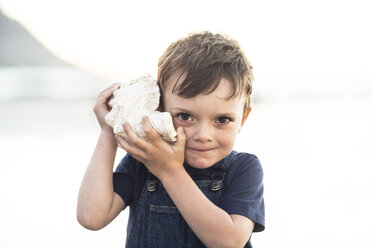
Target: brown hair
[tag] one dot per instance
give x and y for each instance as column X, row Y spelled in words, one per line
column 204, row 59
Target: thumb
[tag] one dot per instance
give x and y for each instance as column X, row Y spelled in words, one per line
column 181, row 137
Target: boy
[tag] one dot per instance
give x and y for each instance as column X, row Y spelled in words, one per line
column 196, row 192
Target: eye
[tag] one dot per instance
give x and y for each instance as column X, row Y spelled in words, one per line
column 184, row 117
column 223, row 120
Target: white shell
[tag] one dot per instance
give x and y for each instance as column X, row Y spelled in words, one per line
column 134, row 100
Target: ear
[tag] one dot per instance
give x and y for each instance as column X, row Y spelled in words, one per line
column 245, row 117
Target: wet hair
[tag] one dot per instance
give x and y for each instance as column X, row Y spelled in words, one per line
column 203, row 59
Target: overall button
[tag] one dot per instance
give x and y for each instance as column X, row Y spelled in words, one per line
column 152, row 186
column 215, row 185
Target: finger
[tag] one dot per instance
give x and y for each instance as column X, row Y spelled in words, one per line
column 133, row 137
column 181, row 138
column 109, row 90
column 135, row 151
column 104, row 97
column 149, row 130
column 106, row 93
column 112, row 89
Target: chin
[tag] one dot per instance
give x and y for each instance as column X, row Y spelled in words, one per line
column 199, row 163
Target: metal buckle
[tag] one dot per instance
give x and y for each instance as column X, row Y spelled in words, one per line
column 152, row 185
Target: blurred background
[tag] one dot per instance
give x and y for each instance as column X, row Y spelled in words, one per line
column 310, row 124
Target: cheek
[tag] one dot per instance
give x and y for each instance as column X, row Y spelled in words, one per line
column 185, row 128
column 227, row 138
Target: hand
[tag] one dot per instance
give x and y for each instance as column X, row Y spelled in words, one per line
column 102, row 108
column 161, row 158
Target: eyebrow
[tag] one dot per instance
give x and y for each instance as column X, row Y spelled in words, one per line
column 191, row 112
column 180, row 110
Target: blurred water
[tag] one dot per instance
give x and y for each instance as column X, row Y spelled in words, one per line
column 315, row 154
column 48, row 81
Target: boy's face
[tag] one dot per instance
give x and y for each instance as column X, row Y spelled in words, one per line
column 211, row 122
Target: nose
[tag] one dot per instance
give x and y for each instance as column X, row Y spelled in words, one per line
column 202, row 133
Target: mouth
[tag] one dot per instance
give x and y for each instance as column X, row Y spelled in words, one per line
column 200, row 150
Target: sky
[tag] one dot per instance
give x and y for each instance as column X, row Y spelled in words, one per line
column 317, row 42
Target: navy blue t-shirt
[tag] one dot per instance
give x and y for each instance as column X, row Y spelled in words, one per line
column 243, row 185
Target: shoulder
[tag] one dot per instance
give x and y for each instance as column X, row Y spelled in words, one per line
column 243, row 194
column 245, row 173
column 129, row 178
column 129, row 164
column 245, row 158
column 242, row 163
column 130, row 169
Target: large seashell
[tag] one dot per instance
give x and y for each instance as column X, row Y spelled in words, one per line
column 135, row 99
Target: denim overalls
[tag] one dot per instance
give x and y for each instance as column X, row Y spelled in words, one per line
column 158, row 223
